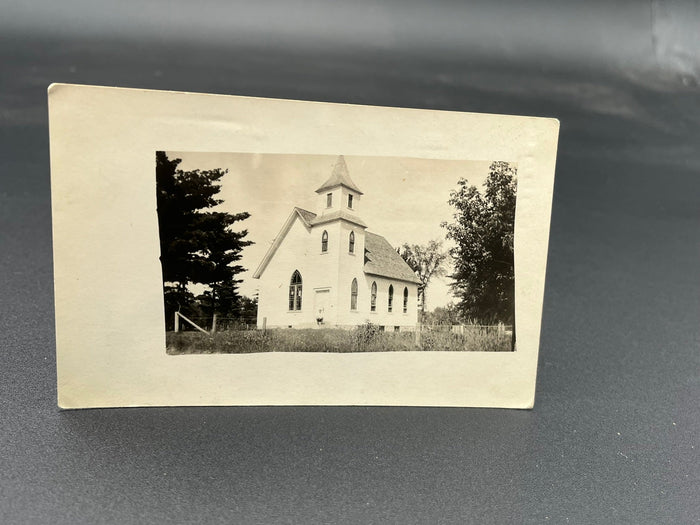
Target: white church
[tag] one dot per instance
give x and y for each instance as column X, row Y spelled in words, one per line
column 327, row 270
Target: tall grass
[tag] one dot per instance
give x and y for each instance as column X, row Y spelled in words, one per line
column 365, row 338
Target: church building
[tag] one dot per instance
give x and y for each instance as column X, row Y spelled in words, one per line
column 326, row 270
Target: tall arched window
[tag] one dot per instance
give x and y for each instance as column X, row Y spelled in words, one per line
column 373, row 299
column 405, row 299
column 391, row 297
column 324, row 241
column 351, row 244
column 353, row 295
column 295, row 291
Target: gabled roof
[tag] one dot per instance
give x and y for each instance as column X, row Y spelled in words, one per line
column 306, row 218
column 382, row 260
column 339, row 177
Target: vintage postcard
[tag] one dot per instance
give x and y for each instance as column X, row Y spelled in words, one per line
column 222, row 250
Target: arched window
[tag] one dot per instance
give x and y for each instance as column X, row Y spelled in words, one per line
column 373, row 299
column 405, row 299
column 324, row 241
column 351, row 246
column 353, row 295
column 391, row 297
column 295, row 291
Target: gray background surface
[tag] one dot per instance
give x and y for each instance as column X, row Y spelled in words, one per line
column 614, row 434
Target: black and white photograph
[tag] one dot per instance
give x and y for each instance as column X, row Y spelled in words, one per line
column 335, row 253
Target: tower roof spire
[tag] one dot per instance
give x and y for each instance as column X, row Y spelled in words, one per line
column 339, row 177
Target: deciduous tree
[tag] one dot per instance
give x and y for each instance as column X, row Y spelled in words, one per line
column 427, row 261
column 483, row 232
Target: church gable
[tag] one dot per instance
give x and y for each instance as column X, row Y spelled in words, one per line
column 304, row 216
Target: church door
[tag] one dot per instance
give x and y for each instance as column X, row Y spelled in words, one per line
column 321, row 304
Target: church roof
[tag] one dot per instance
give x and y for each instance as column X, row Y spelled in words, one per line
column 306, row 215
column 382, row 260
column 339, row 214
column 339, row 177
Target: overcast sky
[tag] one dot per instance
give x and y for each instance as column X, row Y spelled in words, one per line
column 405, row 199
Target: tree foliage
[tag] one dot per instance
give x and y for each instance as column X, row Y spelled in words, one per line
column 198, row 244
column 447, row 315
column 483, row 232
column 427, row 261
column 248, row 309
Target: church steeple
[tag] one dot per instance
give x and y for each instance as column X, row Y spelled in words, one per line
column 339, row 177
column 339, row 194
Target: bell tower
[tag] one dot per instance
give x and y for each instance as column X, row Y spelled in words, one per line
column 339, row 193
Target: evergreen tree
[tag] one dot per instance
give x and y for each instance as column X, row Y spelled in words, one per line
column 197, row 245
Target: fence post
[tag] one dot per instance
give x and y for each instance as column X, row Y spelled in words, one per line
column 264, row 325
column 195, row 325
column 177, row 322
column 419, row 327
column 213, row 323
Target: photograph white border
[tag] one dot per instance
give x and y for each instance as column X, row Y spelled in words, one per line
column 110, row 338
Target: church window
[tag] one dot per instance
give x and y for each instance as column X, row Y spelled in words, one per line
column 324, row 241
column 350, row 201
column 353, row 295
column 405, row 299
column 373, row 299
column 391, row 298
column 329, row 200
column 351, row 246
column 295, row 291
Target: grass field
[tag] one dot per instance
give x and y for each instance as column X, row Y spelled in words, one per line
column 330, row 340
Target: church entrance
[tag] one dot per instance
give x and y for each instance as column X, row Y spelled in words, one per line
column 321, row 305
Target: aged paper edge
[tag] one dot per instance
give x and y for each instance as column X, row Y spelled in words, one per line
column 109, row 315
